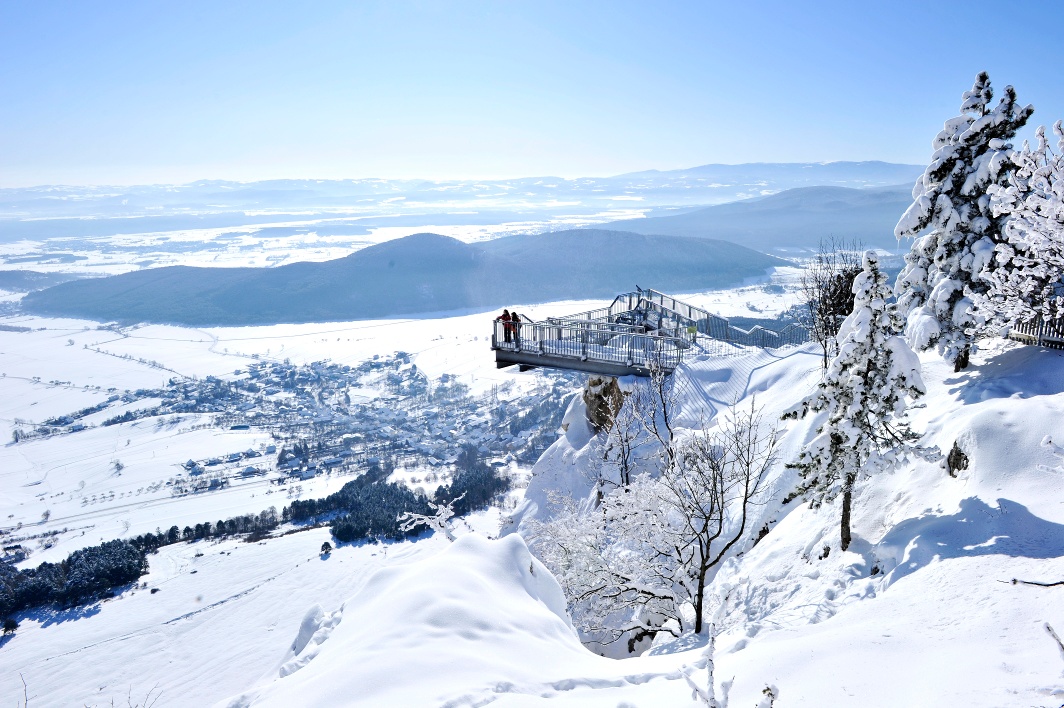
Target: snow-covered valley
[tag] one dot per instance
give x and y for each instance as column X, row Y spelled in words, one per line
column 921, row 610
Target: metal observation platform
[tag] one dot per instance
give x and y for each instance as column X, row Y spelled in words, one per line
column 639, row 332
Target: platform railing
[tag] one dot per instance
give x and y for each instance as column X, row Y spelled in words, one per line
column 758, row 336
column 589, row 343
column 639, row 329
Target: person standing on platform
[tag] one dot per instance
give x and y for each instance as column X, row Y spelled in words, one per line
column 515, row 322
column 506, row 326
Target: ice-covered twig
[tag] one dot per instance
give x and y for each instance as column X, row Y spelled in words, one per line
column 771, row 693
column 1060, row 645
column 697, row 692
column 708, row 695
column 437, row 522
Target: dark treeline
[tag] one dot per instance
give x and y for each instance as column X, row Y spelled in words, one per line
column 258, row 525
column 305, row 509
column 95, row 572
column 370, row 507
column 373, row 512
column 86, row 574
column 367, row 507
column 476, row 482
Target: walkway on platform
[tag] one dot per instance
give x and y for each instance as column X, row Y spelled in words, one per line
column 639, row 332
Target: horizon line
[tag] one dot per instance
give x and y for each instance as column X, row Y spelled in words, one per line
column 103, row 185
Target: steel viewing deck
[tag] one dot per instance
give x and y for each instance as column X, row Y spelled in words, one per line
column 640, row 331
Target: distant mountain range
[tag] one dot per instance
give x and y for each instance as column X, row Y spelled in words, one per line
column 408, row 276
column 792, row 220
column 793, row 174
column 353, row 206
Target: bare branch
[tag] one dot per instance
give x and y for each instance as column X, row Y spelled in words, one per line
column 1035, row 582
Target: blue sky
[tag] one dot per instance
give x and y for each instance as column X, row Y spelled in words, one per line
column 122, row 93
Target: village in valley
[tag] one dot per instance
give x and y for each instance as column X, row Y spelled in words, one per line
column 309, row 423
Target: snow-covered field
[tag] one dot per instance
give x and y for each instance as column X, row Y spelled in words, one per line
column 477, row 622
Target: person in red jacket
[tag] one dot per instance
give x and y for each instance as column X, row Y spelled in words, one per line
column 507, row 328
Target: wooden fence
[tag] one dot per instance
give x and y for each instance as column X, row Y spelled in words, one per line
column 1042, row 333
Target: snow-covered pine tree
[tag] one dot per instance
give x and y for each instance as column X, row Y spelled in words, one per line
column 945, row 268
column 864, row 392
column 1028, row 278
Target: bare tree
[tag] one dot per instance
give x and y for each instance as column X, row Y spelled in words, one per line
column 632, row 565
column 719, row 476
column 623, row 440
column 655, row 408
column 827, row 292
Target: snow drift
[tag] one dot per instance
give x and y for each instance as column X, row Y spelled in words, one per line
column 476, row 615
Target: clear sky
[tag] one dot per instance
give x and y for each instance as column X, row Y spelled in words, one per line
column 122, row 93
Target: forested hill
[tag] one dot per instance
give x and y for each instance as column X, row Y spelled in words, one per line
column 417, row 274
column 793, row 219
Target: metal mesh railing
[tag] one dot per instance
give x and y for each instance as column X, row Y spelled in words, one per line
column 638, row 329
column 673, row 317
column 758, row 336
column 590, row 343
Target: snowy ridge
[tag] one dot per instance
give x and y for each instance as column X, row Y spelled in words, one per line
column 925, row 588
column 706, row 385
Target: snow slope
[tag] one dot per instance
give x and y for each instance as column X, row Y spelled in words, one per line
column 920, row 611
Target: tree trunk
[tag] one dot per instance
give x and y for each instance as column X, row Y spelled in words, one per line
column 698, row 599
column 962, row 359
column 847, row 499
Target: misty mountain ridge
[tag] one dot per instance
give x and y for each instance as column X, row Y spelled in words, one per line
column 414, row 275
column 871, row 172
column 792, row 220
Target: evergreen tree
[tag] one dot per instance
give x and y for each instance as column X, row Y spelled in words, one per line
column 864, row 392
column 945, row 270
column 1028, row 279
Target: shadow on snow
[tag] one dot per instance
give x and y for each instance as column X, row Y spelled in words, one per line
column 977, row 529
column 1023, row 372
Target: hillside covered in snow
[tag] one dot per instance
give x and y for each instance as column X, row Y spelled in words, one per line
column 921, row 610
